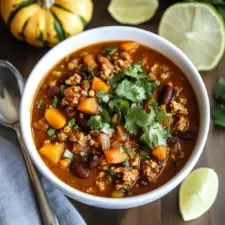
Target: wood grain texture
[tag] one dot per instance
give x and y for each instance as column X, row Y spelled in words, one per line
column 164, row 211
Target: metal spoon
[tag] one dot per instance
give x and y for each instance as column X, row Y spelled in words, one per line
column 11, row 88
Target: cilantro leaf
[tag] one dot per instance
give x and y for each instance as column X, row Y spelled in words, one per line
column 219, row 90
column 39, row 103
column 96, row 123
column 105, row 116
column 55, row 101
column 136, row 117
column 119, row 105
column 115, row 79
column 131, row 91
column 110, row 49
column 148, row 86
column 218, row 114
column 154, row 135
column 102, row 97
column 72, row 123
column 144, row 155
column 51, row 133
column 135, row 71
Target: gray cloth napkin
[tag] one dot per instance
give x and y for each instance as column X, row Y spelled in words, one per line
column 17, row 202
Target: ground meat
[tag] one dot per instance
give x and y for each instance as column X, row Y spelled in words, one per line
column 176, row 152
column 129, row 177
column 136, row 161
column 86, row 85
column 151, row 169
column 181, row 125
column 73, row 80
column 41, row 125
column 160, row 70
column 73, row 64
column 106, row 66
column 72, row 95
column 63, row 133
column 101, row 182
column 178, row 108
column 89, row 60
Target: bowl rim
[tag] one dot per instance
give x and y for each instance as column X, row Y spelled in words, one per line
column 127, row 202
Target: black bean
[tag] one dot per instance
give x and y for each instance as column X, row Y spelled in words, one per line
column 53, row 90
column 172, row 140
column 166, row 95
column 94, row 162
column 79, row 169
column 143, row 181
column 82, row 122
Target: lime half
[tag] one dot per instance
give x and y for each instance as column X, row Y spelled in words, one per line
column 198, row 30
column 197, row 193
column 132, row 11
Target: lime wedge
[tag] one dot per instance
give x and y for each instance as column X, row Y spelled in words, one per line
column 197, row 193
column 198, row 30
column 132, row 11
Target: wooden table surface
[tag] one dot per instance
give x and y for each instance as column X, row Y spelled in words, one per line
column 164, row 211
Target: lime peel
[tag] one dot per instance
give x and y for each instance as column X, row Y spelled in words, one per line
column 197, row 193
column 199, row 32
column 132, row 11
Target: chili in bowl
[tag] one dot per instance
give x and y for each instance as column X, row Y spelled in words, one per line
column 117, row 121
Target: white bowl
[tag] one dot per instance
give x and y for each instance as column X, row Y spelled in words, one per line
column 110, row 34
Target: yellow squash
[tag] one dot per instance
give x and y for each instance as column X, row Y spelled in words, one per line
column 45, row 22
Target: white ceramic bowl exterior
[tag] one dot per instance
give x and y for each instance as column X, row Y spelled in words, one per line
column 114, row 33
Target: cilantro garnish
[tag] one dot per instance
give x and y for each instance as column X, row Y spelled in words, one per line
column 130, row 151
column 110, row 50
column 96, row 123
column 55, row 101
column 135, row 71
column 102, row 97
column 51, row 133
column 68, row 154
column 144, row 155
column 218, row 111
column 39, row 103
column 72, row 123
column 131, row 91
column 119, row 105
column 126, row 164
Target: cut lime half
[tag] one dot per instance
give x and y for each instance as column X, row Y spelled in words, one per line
column 132, row 11
column 198, row 30
column 197, row 193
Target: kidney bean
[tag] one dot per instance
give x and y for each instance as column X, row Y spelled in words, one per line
column 143, row 181
column 172, row 140
column 166, row 95
column 94, row 162
column 53, row 90
column 82, row 122
column 79, row 170
column 187, row 135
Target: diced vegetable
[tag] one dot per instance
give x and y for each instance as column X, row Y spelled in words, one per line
column 68, row 154
column 104, row 141
column 52, row 152
column 114, row 156
column 55, row 118
column 160, row 152
column 121, row 131
column 64, row 163
column 88, row 105
column 117, row 194
column 129, row 46
column 99, row 85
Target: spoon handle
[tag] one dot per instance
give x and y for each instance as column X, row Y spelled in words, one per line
column 49, row 218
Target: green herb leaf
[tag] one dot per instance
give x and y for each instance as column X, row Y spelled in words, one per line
column 51, row 133
column 126, row 164
column 219, row 90
column 148, row 86
column 105, row 116
column 96, row 123
column 218, row 114
column 68, row 154
column 135, row 71
column 130, row 151
column 115, row 79
column 55, row 101
column 39, row 103
column 131, row 91
column 144, row 155
column 110, row 50
column 72, row 123
column 102, row 97
column 119, row 105
column 154, row 135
